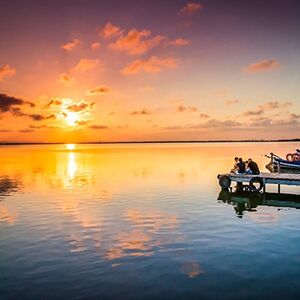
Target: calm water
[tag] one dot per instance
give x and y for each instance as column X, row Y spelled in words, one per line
column 140, row 222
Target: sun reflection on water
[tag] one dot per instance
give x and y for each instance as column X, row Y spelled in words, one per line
column 70, row 146
column 72, row 165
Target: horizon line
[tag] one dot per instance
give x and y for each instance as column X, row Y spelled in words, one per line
column 155, row 142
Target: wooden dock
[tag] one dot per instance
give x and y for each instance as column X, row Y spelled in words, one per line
column 258, row 182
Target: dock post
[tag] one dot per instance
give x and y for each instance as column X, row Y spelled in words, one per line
column 278, row 188
column 264, row 187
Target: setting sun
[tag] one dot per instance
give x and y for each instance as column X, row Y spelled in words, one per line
column 72, row 118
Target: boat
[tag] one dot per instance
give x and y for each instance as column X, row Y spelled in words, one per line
column 277, row 164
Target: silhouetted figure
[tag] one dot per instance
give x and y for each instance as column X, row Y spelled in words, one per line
column 252, row 167
column 234, row 169
column 241, row 166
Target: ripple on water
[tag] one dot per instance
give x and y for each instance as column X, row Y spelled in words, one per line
column 139, row 222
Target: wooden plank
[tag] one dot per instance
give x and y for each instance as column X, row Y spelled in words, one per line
column 269, row 178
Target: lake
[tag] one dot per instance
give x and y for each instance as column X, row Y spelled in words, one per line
column 141, row 221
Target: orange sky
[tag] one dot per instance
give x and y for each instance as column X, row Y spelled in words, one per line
column 198, row 71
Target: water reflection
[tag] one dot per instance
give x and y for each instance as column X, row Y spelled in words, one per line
column 243, row 201
column 8, row 186
column 144, row 235
column 191, row 269
column 7, row 216
column 70, row 146
column 72, row 166
column 138, row 217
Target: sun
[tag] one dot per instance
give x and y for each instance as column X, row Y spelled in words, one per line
column 72, row 118
column 71, row 113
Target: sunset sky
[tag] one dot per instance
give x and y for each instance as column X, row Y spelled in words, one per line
column 78, row 71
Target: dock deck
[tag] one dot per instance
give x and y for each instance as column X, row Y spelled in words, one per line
column 264, row 178
column 271, row 178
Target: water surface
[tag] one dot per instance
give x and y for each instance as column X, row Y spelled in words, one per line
column 140, row 222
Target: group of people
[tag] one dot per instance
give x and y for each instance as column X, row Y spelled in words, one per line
column 248, row 167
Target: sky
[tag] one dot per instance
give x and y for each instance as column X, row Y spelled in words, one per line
column 87, row 71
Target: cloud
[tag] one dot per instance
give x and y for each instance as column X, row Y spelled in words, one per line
column 39, row 117
column 232, row 101
column 6, row 71
column 213, row 123
column 98, row 127
column 253, row 112
column 204, row 116
column 136, row 42
column 83, row 122
column 140, row 112
column 17, row 112
column 27, row 130
column 261, row 121
column 86, row 64
column 221, row 124
column 182, row 108
column 98, row 90
column 151, row 65
column 71, row 45
column 179, row 42
column 110, row 30
column 66, row 79
column 95, row 45
column 44, row 126
column 294, row 116
column 55, row 102
column 190, row 9
column 268, row 106
column 291, row 120
column 8, row 102
column 173, row 127
column 122, row 126
column 266, row 65
column 275, row 105
column 79, row 107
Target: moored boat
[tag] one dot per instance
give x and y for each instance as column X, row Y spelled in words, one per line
column 277, row 163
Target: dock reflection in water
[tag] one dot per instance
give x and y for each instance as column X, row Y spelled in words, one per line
column 250, row 201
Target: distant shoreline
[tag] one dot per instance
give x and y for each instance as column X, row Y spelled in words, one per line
column 153, row 142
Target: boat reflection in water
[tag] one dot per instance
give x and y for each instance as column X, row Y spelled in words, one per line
column 249, row 201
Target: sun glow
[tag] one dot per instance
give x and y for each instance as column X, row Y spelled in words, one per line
column 70, row 146
column 72, row 118
column 71, row 112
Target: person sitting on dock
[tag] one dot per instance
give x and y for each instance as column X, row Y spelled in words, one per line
column 241, row 167
column 234, row 169
column 252, row 167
